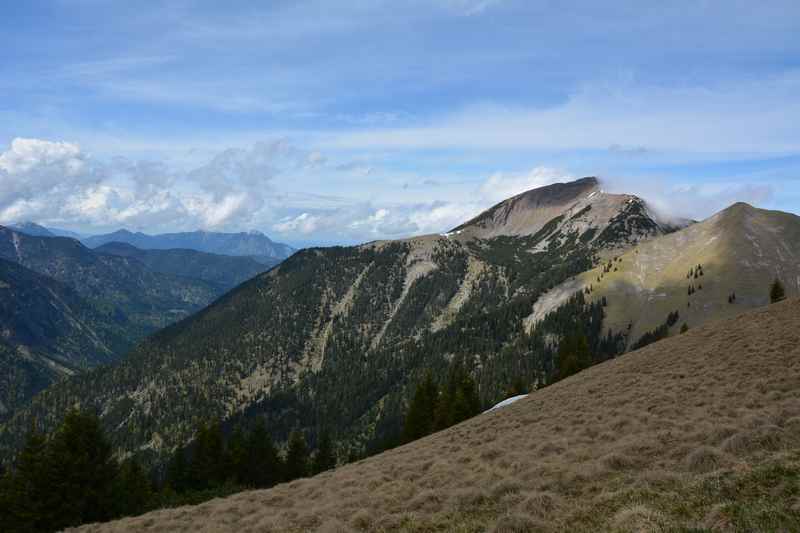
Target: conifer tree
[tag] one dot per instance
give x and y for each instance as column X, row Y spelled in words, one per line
column 263, row 462
column 296, row 456
column 24, row 492
column 466, row 403
column 177, row 477
column 82, row 463
column 325, row 457
column 776, row 291
column 208, row 458
column 132, row 489
column 236, row 457
column 573, row 355
column 421, row 415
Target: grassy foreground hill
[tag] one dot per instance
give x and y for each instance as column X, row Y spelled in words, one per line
column 699, row 432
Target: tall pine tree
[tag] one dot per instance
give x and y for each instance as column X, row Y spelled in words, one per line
column 296, row 456
column 325, row 457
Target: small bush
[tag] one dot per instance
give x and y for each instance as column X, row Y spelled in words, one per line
column 507, row 486
column 516, row 523
column 540, row 504
column 362, row 520
column 468, row 499
column 704, row 459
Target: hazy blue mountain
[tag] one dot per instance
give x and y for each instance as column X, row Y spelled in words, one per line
column 32, row 228
column 254, row 243
column 224, row 271
column 37, row 230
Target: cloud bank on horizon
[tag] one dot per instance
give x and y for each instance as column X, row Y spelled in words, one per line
column 327, row 124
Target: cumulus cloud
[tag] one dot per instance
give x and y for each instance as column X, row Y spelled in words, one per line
column 59, row 182
column 32, row 166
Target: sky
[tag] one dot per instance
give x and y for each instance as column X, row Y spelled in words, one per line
column 337, row 122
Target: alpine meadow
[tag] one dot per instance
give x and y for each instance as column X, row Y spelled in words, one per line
column 498, row 266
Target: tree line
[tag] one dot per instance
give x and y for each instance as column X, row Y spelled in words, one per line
column 71, row 476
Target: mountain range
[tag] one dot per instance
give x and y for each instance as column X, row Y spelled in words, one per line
column 335, row 336
column 66, row 308
column 254, row 243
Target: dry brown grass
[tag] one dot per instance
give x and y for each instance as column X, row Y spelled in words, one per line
column 700, row 431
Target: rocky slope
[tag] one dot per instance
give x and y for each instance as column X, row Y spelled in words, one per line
column 694, row 272
column 613, row 220
column 700, row 432
column 333, row 336
column 254, row 243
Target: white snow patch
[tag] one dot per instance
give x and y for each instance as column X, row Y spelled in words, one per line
column 507, row 401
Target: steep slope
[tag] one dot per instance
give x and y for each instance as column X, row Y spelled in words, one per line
column 119, row 287
column 47, row 332
column 335, row 335
column 579, row 206
column 740, row 250
column 224, row 271
column 253, row 243
column 697, row 432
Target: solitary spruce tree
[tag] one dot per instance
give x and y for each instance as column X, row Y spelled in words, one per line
column 776, row 291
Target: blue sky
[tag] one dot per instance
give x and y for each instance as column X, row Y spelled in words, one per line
column 346, row 121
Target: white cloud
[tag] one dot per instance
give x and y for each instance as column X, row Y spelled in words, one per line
column 32, row 167
column 304, row 223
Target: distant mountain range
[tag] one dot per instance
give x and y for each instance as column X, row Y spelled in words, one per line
column 254, row 244
column 65, row 308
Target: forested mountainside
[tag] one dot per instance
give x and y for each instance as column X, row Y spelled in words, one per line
column 713, row 269
column 121, row 288
column 223, row 271
column 254, row 243
column 333, row 336
column 47, row 331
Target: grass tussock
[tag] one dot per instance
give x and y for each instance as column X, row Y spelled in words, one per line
column 698, row 432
